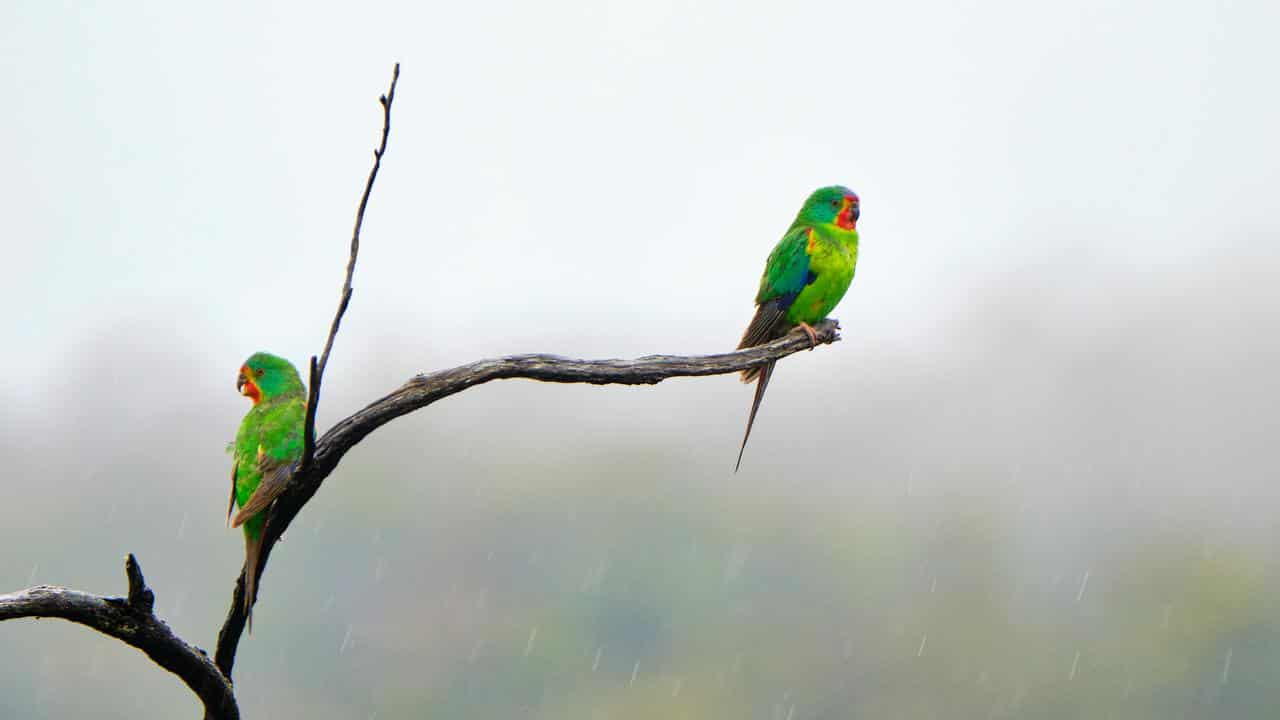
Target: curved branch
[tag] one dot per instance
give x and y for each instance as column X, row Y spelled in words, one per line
column 424, row 390
column 131, row 620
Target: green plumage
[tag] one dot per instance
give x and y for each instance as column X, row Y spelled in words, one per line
column 267, row 449
column 806, row 275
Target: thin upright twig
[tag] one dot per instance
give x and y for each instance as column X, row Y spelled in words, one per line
column 386, row 101
column 316, row 374
column 233, row 626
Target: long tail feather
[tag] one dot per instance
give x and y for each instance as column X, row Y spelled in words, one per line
column 252, row 551
column 765, row 372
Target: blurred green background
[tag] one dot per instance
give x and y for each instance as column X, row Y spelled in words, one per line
column 1036, row 479
column 1047, row 528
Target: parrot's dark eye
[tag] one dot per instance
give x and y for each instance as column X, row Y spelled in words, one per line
column 259, row 372
column 835, row 203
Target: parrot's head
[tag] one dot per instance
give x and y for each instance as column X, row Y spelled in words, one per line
column 264, row 376
column 834, row 205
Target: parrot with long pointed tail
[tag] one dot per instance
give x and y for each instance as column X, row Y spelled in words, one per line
column 806, row 275
column 267, row 449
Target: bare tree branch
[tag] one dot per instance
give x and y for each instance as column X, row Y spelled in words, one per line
column 345, row 299
column 131, row 620
column 424, row 390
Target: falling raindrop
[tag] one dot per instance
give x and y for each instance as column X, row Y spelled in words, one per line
column 1084, row 583
column 933, row 586
column 736, row 561
column 528, row 646
column 635, row 670
column 379, row 569
column 1074, row 663
column 1226, row 666
column 596, row 663
column 182, row 526
column 791, row 712
column 920, row 651
column 676, row 689
column 32, row 577
column 346, row 641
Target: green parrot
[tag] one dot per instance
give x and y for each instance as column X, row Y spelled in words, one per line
column 807, row 273
column 267, row 449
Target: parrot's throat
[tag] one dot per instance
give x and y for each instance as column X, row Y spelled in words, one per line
column 252, row 391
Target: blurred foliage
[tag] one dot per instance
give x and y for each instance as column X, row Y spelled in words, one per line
column 612, row 602
column 600, row 597
column 1001, row 525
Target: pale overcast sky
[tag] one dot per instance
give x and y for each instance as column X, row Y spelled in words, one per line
column 602, row 177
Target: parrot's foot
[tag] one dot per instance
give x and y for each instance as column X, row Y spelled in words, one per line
column 813, row 335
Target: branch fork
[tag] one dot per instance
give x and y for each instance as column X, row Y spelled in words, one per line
column 131, row 620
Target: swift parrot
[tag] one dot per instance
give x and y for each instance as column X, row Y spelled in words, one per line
column 807, row 273
column 268, row 447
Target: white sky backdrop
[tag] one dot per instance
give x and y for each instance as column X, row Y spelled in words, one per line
column 602, row 177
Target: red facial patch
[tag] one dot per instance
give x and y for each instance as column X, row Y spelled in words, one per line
column 845, row 219
column 250, row 388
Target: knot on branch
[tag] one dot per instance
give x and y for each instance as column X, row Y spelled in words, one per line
column 140, row 596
